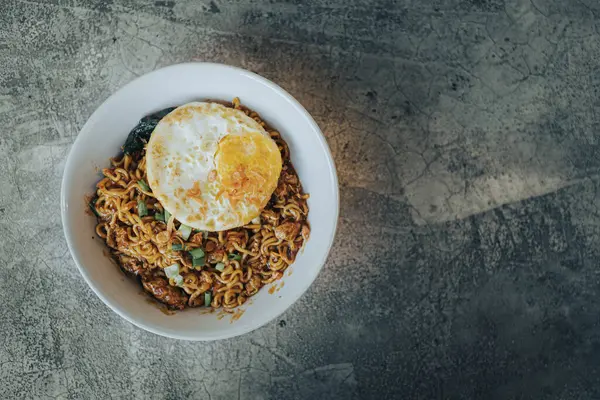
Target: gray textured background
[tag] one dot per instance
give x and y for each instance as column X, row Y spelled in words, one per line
column 466, row 138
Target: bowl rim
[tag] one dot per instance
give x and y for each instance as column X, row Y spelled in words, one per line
column 114, row 306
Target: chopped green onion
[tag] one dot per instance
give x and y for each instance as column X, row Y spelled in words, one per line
column 159, row 217
column 234, row 256
column 144, row 185
column 177, row 246
column 198, row 262
column 207, row 297
column 178, row 280
column 92, row 205
column 172, row 271
column 185, row 231
column 197, row 253
column 167, row 216
column 220, row 266
column 142, row 209
column 205, row 235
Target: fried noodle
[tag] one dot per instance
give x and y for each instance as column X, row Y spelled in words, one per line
column 253, row 255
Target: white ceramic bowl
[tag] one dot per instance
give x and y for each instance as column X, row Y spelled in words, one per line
column 104, row 134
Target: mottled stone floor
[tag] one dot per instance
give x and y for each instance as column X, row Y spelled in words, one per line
column 465, row 134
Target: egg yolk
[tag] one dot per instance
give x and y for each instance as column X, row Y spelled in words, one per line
column 248, row 167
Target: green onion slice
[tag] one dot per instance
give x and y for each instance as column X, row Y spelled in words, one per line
column 172, row 271
column 233, row 256
column 144, row 185
column 177, row 246
column 159, row 217
column 142, row 209
column 197, row 253
column 185, row 231
column 167, row 216
column 207, row 298
column 198, row 262
column 220, row 266
column 178, row 280
column 92, row 205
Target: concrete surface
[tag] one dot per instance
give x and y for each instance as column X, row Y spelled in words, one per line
column 466, row 137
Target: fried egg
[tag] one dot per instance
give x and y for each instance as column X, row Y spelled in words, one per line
column 212, row 167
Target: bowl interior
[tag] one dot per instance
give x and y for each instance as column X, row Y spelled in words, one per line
column 104, row 134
